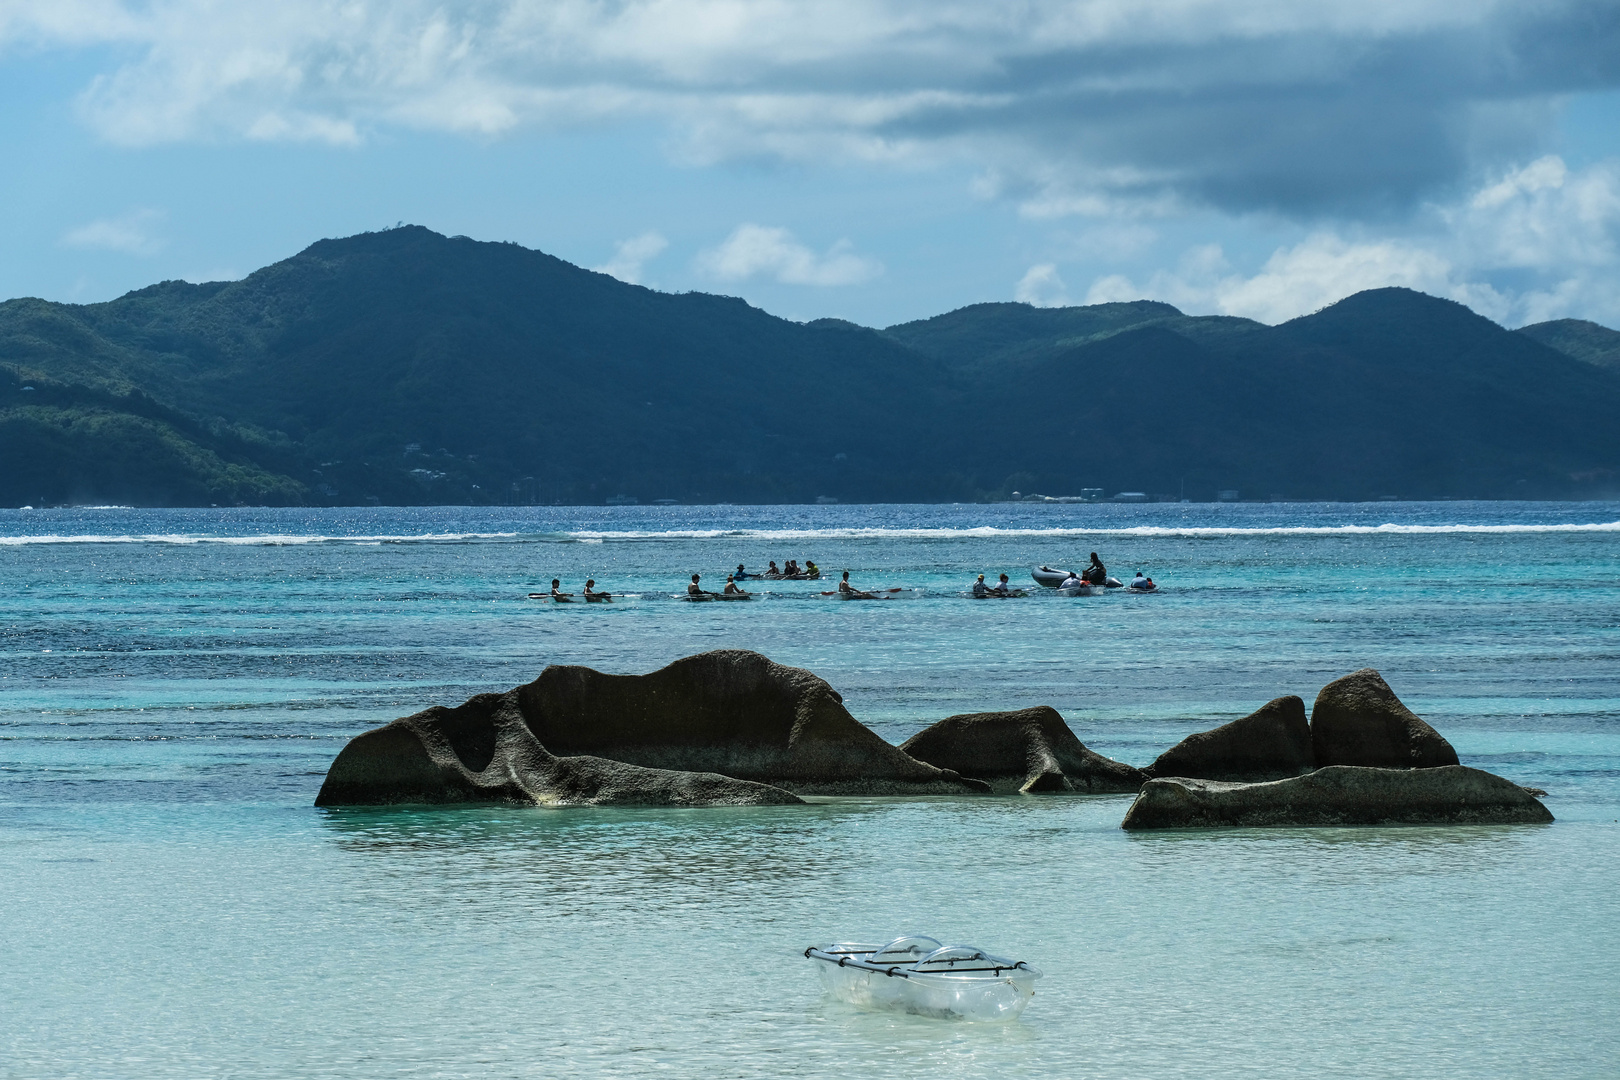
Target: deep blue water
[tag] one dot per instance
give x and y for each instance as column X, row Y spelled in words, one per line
column 173, row 685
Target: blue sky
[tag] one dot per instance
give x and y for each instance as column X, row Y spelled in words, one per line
column 878, row 161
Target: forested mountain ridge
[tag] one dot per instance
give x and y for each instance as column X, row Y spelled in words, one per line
column 1579, row 338
column 409, row 367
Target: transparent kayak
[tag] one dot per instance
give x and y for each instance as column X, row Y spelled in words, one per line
column 919, row 975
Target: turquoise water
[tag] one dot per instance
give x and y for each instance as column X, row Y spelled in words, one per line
column 174, row 684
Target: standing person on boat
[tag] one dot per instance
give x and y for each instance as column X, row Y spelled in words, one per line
column 980, row 589
column 1002, row 588
column 731, row 586
column 1096, row 573
column 591, row 595
column 556, row 594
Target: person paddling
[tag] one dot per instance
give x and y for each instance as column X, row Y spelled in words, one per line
column 773, row 572
column 557, row 595
column 592, row 596
column 1002, row 588
column 695, row 589
column 731, row 586
column 850, row 592
column 980, row 589
column 812, row 572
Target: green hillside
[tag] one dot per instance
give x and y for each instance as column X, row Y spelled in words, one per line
column 1000, row 339
column 500, row 366
column 1581, row 339
column 65, row 443
column 407, row 367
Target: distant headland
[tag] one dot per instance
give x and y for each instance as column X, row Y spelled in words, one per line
column 408, row 368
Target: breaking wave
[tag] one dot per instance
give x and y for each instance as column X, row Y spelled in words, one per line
column 265, row 540
column 987, row 532
column 993, row 533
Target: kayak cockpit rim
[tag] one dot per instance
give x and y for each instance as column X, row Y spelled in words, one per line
column 907, row 957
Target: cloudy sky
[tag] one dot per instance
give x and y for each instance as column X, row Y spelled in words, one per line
column 878, row 160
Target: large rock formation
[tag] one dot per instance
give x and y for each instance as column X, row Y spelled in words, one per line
column 1338, row 795
column 483, row 751
column 1270, row 743
column 1027, row 751
column 731, row 712
column 721, row 727
column 1358, row 720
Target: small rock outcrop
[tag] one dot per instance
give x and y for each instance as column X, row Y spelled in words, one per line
column 731, row 712
column 1338, row 795
column 1030, row 750
column 1270, row 743
column 1358, row 720
column 483, row 751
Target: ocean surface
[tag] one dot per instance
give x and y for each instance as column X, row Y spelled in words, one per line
column 174, row 684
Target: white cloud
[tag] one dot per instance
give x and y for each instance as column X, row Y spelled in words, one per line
column 1554, row 231
column 1324, row 269
column 1320, row 270
column 133, row 233
column 1084, row 107
column 67, row 22
column 631, row 255
column 1341, row 121
column 1543, row 216
column 1042, row 287
column 761, row 251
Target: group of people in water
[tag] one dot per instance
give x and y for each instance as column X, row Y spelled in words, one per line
column 1000, row 588
column 790, row 571
column 1095, row 574
column 590, row 593
column 696, row 590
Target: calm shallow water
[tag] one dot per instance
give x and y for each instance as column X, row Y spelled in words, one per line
column 175, row 683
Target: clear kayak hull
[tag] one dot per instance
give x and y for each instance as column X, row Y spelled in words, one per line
column 947, row 982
